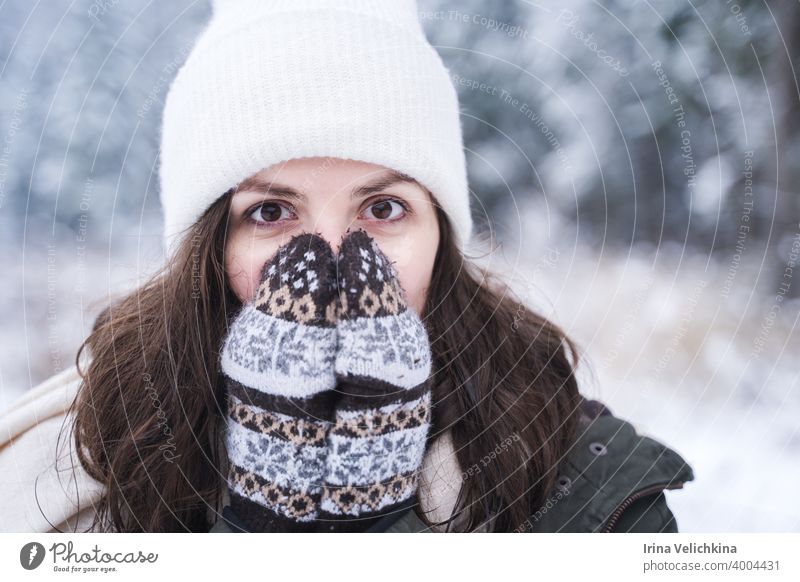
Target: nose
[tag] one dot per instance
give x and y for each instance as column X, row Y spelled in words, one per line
column 332, row 230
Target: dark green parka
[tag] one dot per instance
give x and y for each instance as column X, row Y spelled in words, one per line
column 612, row 480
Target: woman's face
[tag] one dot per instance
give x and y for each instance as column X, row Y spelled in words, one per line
column 328, row 196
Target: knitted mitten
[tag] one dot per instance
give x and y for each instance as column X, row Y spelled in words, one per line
column 278, row 366
column 382, row 415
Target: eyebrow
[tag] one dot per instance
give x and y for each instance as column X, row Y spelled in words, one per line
column 261, row 186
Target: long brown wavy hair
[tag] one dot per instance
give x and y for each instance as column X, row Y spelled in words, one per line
column 148, row 408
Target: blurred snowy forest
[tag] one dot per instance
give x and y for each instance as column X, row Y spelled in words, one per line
column 637, row 161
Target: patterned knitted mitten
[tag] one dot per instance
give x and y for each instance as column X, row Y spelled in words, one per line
column 278, row 366
column 382, row 415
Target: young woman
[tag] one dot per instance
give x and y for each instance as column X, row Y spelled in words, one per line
column 338, row 130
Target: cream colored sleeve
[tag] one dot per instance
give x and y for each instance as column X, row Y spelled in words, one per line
column 42, row 484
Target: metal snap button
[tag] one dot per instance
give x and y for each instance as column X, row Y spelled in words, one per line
column 598, row 448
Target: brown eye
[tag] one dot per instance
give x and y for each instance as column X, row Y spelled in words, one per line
column 382, row 210
column 267, row 212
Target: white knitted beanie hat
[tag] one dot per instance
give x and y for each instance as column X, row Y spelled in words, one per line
column 272, row 80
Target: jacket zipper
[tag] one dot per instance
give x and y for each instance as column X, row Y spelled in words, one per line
column 612, row 521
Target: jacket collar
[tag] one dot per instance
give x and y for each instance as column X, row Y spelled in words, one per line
column 609, row 465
